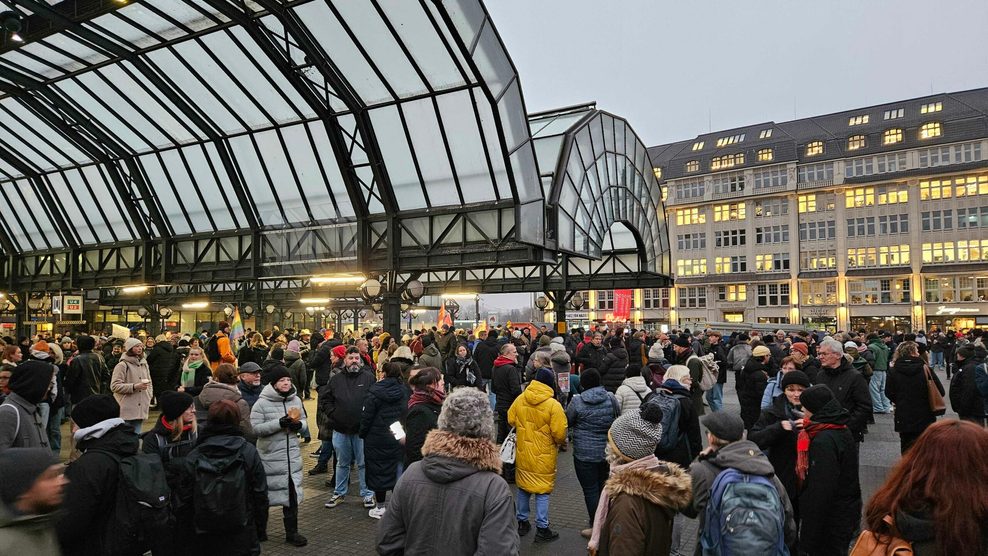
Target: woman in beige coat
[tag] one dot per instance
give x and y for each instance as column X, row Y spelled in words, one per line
column 131, row 384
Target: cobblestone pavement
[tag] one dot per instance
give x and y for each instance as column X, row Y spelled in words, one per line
column 347, row 529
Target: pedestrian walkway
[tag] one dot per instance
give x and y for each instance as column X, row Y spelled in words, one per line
column 348, row 530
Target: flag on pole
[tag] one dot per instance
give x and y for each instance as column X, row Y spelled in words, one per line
column 236, row 331
column 480, row 329
column 444, row 317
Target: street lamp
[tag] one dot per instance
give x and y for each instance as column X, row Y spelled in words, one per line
column 577, row 301
column 542, row 302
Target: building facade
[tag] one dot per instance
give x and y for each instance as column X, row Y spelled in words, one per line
column 874, row 218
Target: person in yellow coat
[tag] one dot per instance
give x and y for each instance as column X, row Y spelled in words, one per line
column 540, row 426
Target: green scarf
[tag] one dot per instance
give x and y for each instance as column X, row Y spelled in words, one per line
column 189, row 373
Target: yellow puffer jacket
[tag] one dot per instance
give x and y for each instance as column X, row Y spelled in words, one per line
column 540, row 424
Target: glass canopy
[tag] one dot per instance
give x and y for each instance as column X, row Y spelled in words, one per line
column 183, row 118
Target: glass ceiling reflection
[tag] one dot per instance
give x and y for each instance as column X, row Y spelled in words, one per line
column 224, row 118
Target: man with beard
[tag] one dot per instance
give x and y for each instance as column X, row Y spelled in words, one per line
column 342, row 404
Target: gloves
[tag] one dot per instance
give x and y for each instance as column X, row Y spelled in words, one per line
column 295, row 426
column 285, row 422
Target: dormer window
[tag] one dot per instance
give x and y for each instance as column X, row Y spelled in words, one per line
column 855, row 142
column 814, row 148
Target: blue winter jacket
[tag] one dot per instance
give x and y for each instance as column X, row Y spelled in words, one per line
column 590, row 415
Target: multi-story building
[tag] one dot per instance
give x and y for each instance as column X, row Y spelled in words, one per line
column 871, row 218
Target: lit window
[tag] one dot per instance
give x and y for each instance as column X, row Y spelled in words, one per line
column 665, row 192
column 658, row 173
column 691, row 267
column 690, row 216
column 698, row 145
column 731, row 211
column 732, row 292
column 765, row 134
column 931, row 107
column 814, row 148
column 861, row 197
column 693, row 166
column 892, row 136
column 929, row 130
column 765, row 155
column 855, row 142
column 858, row 120
column 894, row 114
column 730, row 140
column 807, row 203
column 726, row 161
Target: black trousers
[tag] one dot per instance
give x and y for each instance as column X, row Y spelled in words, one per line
column 906, row 440
column 290, row 512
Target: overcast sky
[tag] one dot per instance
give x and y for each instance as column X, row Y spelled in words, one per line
column 674, row 69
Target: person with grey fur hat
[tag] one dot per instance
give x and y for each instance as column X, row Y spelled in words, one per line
column 461, row 466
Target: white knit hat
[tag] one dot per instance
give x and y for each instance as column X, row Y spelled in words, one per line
column 130, row 343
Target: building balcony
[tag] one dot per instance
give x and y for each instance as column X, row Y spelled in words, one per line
column 803, row 185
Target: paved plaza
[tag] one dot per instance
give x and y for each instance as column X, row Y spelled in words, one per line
column 347, row 529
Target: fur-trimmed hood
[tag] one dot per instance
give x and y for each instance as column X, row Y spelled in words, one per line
column 668, row 485
column 448, row 457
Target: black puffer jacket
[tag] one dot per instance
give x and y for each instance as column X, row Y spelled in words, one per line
column 753, row 378
column 906, row 388
column 341, row 402
column 612, row 369
column 592, row 357
column 851, row 390
column 421, row 419
column 385, row 403
column 965, row 398
column 163, row 361
column 87, row 376
column 779, row 444
column 506, row 385
column 320, row 362
column 830, row 502
column 90, row 494
column 484, row 354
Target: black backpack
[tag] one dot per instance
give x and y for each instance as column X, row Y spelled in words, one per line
column 219, row 495
column 141, row 519
column 212, row 349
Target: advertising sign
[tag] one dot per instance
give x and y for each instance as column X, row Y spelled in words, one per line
column 622, row 304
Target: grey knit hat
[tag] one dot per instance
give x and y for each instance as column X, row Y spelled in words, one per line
column 467, row 412
column 636, row 434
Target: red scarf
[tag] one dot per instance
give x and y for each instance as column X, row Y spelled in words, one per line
column 426, row 396
column 502, row 360
column 170, row 428
column 810, row 430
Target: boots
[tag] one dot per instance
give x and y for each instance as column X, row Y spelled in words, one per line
column 545, row 535
column 295, row 539
column 318, row 469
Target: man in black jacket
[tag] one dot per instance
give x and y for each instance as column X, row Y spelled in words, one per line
column 87, row 374
column 163, row 364
column 592, row 354
column 341, row 402
column 103, row 438
column 848, row 386
column 965, row 398
column 506, row 386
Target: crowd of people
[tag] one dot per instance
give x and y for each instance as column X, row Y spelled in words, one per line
column 437, row 423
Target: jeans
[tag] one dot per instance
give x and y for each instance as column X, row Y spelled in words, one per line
column 136, row 423
column 541, row 508
column 879, row 403
column 349, row 447
column 715, row 397
column 936, row 359
column 55, row 430
column 592, row 476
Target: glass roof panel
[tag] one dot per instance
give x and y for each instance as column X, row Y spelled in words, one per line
column 280, row 169
column 398, row 158
column 336, row 184
column 159, row 107
column 375, row 38
column 30, row 67
column 67, row 151
column 425, row 46
column 310, row 174
column 101, row 116
column 467, row 18
column 493, row 63
column 460, row 124
column 232, row 214
column 429, row 149
column 334, row 40
column 122, row 31
column 30, row 209
column 252, row 172
column 129, row 103
column 212, row 207
column 172, row 201
column 493, row 141
column 544, row 127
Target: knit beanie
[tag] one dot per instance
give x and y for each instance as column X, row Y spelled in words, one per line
column 20, row 468
column 174, row 404
column 85, row 343
column 275, row 374
column 278, row 354
column 467, row 412
column 801, row 347
column 31, row 380
column 41, row 346
column 131, row 343
column 340, row 351
column 95, row 409
column 426, row 340
column 544, row 340
column 795, row 377
column 815, row 397
column 635, row 434
column 545, row 376
column 760, row 351
column 682, row 341
column 293, row 346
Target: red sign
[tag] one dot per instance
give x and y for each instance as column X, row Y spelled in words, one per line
column 622, row 303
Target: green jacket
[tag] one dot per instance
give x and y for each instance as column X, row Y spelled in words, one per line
column 28, row 535
column 881, row 352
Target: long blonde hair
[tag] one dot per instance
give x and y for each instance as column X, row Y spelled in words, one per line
column 257, row 340
column 905, row 349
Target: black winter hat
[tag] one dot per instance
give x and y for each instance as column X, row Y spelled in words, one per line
column 427, row 340
column 278, row 354
column 682, row 341
column 815, row 397
column 95, row 409
column 795, row 377
column 966, row 351
column 85, row 343
column 174, row 404
column 275, row 374
column 31, row 380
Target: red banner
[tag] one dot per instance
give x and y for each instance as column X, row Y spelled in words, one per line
column 622, row 304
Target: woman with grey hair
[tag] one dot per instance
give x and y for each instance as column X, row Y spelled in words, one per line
column 461, row 466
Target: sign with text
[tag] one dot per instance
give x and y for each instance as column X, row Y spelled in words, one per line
column 56, row 305
column 72, row 304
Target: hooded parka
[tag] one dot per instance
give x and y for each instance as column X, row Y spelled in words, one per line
column 540, row 424
column 385, row 403
column 278, row 447
column 129, row 372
